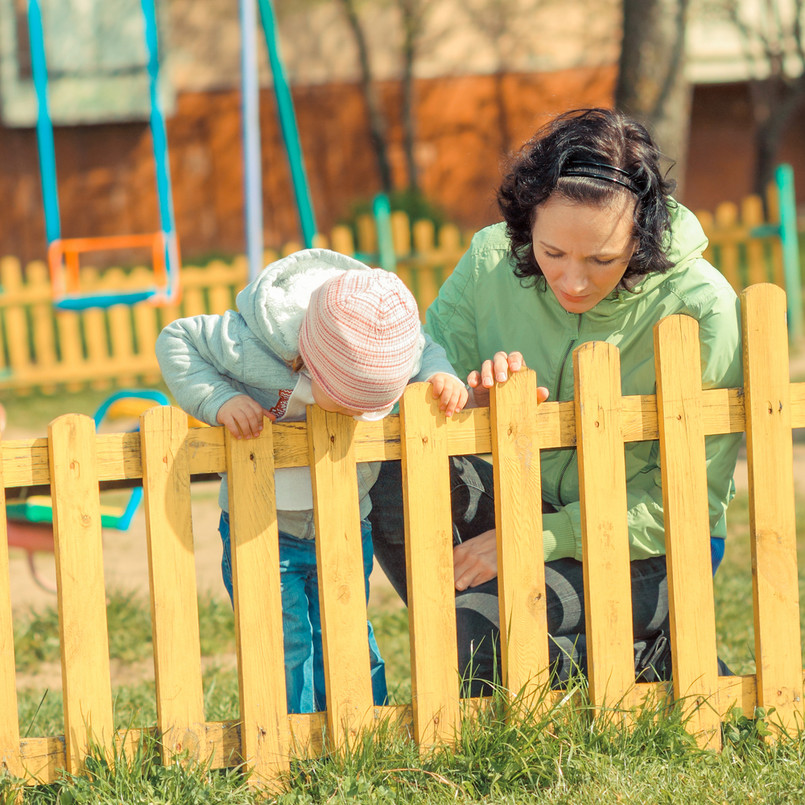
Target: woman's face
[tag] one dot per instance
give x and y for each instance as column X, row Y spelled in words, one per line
column 583, row 249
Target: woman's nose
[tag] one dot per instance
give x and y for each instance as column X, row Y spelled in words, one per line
column 575, row 279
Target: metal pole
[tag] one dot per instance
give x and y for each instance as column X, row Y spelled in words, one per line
column 385, row 243
column 44, row 125
column 159, row 138
column 784, row 178
column 252, row 163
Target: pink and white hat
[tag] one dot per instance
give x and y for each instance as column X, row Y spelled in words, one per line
column 360, row 338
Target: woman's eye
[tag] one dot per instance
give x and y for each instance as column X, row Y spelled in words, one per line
column 604, row 262
column 553, row 255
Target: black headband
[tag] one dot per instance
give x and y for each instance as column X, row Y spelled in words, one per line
column 591, row 170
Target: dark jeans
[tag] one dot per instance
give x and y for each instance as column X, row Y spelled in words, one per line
column 477, row 613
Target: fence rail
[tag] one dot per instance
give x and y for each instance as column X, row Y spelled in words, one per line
column 166, row 454
column 45, row 349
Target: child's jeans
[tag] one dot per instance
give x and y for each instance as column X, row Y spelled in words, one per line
column 301, row 619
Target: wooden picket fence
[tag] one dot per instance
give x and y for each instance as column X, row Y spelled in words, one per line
column 166, row 455
column 45, row 349
column 744, row 244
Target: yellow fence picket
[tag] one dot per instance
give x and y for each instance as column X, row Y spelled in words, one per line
column 401, row 233
column 97, row 347
column 146, row 329
column 518, row 521
column 220, row 296
column 429, row 559
column 42, row 322
column 687, row 525
column 771, row 504
column 83, row 634
column 254, row 541
column 121, row 333
column 15, row 324
column 171, row 564
column 10, row 760
column 605, row 546
column 752, row 216
column 341, row 240
column 342, row 588
column 69, row 334
column 729, row 262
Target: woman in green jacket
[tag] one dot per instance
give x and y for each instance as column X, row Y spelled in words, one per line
column 592, row 248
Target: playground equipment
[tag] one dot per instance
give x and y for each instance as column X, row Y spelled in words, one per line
column 30, row 520
column 64, row 253
column 599, row 422
column 251, row 132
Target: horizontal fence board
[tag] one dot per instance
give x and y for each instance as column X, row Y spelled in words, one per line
column 25, row 460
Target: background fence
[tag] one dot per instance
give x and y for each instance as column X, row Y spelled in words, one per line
column 166, row 455
column 42, row 348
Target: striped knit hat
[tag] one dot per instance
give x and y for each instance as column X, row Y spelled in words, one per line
column 360, row 338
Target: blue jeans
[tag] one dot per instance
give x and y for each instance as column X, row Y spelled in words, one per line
column 301, row 619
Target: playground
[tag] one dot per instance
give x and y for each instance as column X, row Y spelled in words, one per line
column 128, row 676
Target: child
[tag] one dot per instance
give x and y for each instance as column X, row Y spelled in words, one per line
column 320, row 327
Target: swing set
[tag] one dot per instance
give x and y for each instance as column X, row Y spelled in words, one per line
column 64, row 253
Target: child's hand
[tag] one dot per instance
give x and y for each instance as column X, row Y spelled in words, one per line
column 450, row 391
column 243, row 417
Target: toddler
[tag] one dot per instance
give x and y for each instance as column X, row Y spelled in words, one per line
column 314, row 327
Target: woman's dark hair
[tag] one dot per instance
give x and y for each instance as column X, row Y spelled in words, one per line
column 589, row 156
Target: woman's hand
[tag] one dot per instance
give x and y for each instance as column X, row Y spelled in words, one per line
column 243, row 417
column 476, row 560
column 450, row 391
column 498, row 369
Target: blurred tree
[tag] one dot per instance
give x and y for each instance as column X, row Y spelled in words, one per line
column 501, row 23
column 377, row 120
column 413, row 15
column 651, row 85
column 773, row 43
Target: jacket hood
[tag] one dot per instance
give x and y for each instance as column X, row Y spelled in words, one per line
column 274, row 303
column 685, row 244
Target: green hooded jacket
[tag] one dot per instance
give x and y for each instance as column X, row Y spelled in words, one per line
column 483, row 308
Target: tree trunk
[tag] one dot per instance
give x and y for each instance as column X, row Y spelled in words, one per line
column 409, row 112
column 377, row 120
column 651, row 84
column 774, row 103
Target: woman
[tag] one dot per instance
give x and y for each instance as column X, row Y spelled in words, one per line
column 592, row 248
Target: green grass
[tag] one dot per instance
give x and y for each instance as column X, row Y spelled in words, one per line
column 35, row 411
column 566, row 754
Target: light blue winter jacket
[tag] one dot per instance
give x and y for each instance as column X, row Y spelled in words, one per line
column 206, row 360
